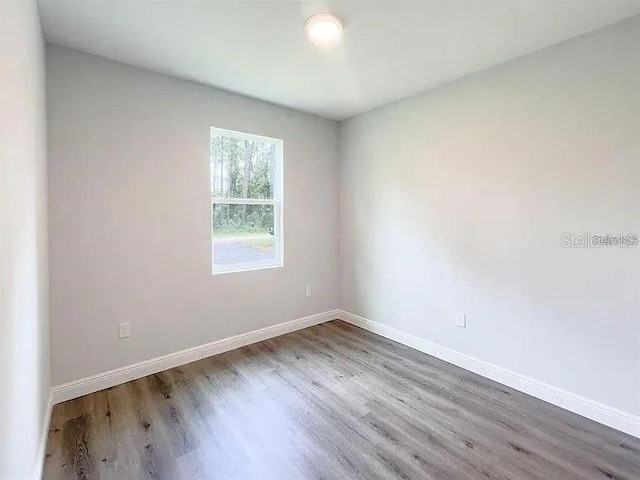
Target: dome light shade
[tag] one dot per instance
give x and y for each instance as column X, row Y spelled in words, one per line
column 324, row 30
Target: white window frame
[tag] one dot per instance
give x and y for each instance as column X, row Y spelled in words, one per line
column 277, row 202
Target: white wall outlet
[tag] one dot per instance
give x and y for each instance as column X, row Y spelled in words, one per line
column 461, row 320
column 308, row 291
column 124, row 330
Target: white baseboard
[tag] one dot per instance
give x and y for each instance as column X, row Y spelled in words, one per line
column 612, row 417
column 44, row 435
column 84, row 386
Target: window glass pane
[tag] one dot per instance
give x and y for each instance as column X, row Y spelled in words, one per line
column 241, row 168
column 243, row 234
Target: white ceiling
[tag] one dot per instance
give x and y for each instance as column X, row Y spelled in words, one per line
column 391, row 49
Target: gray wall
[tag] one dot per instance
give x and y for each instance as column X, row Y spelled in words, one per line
column 451, row 201
column 455, row 200
column 24, row 334
column 130, row 227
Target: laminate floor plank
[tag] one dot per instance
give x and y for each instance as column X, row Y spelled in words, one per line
column 331, row 401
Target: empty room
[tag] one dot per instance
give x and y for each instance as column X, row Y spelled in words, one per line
column 255, row 240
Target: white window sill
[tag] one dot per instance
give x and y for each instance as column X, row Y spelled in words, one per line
column 221, row 269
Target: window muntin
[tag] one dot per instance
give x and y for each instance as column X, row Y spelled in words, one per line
column 246, row 201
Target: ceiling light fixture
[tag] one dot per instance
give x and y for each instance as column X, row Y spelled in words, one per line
column 324, row 30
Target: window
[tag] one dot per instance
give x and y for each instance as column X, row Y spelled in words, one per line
column 246, row 201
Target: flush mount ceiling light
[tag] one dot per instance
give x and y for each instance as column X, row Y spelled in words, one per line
column 324, row 30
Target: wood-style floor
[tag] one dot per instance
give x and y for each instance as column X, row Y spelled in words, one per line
column 335, row 402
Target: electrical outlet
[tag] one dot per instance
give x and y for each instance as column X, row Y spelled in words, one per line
column 124, row 330
column 308, row 291
column 461, row 320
